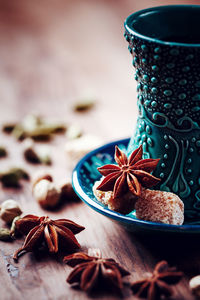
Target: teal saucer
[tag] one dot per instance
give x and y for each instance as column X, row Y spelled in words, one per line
column 86, row 173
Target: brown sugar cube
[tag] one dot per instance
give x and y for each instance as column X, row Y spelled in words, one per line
column 124, row 204
column 159, row 206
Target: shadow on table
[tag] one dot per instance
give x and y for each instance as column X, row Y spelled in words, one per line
column 182, row 251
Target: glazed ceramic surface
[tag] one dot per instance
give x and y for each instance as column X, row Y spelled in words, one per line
column 165, row 46
column 84, row 176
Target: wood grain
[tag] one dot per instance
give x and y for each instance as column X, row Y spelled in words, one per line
column 50, row 53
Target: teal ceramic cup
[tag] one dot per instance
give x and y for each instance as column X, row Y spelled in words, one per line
column 165, row 45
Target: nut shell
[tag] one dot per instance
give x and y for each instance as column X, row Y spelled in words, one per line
column 9, row 210
column 41, row 177
column 46, row 193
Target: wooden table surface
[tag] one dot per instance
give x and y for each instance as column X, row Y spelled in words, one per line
column 51, row 52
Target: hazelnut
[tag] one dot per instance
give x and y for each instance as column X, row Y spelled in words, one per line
column 9, row 210
column 65, row 186
column 66, row 190
column 46, row 193
column 41, row 177
column 194, row 285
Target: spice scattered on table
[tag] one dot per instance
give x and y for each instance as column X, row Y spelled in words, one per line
column 12, row 177
column 39, row 176
column 36, row 155
column 34, row 127
column 46, row 193
column 55, row 234
column 49, row 194
column 5, row 234
column 73, row 132
column 3, row 152
column 92, row 270
column 158, row 284
column 13, row 227
column 9, row 209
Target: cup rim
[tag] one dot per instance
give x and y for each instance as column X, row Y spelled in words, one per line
column 130, row 29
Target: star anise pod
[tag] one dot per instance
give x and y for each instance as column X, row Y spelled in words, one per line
column 158, row 284
column 130, row 173
column 92, row 271
column 52, row 232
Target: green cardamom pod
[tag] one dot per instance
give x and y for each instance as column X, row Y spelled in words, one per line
column 5, row 234
column 34, row 127
column 13, row 226
column 45, row 130
column 21, row 173
column 11, row 178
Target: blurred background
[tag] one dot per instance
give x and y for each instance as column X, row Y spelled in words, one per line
column 55, row 52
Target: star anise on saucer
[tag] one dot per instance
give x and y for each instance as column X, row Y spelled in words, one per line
column 53, row 233
column 92, row 271
column 129, row 173
column 158, row 284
